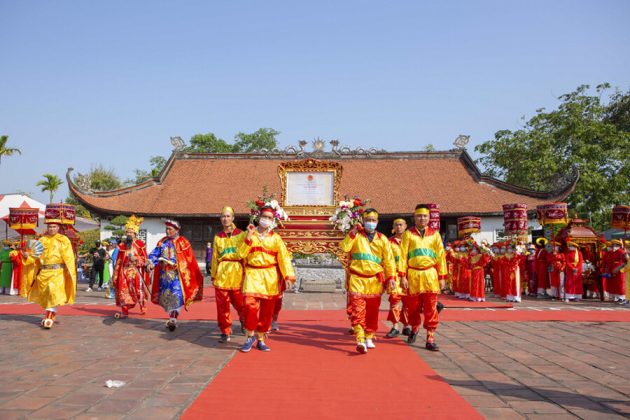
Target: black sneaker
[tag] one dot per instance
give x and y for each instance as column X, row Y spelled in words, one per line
column 432, row 346
column 440, row 306
column 406, row 331
column 224, row 338
column 412, row 337
column 392, row 333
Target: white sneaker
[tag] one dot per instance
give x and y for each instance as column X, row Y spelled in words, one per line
column 274, row 326
column 89, row 289
column 100, row 289
column 369, row 343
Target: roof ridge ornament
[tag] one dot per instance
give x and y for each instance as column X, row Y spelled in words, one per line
column 461, row 141
column 178, row 143
column 319, row 150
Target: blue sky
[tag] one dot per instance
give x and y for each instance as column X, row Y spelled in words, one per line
column 87, row 83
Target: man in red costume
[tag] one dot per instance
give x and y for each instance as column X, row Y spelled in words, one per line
column 397, row 294
column 615, row 261
column 555, row 266
column 130, row 277
column 177, row 280
column 424, row 268
column 573, row 287
column 542, row 273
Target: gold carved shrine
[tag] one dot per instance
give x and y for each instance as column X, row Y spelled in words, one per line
column 310, row 195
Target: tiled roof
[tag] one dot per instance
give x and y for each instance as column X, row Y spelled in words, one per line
column 201, row 184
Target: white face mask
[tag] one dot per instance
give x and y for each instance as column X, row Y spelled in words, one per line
column 571, row 248
column 265, row 223
column 370, row 226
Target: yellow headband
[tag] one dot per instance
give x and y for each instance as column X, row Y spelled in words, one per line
column 228, row 209
column 399, row 220
column 422, row 210
column 372, row 213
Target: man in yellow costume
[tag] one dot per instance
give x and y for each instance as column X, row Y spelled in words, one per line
column 424, row 264
column 397, row 295
column 227, row 272
column 267, row 263
column 371, row 265
column 52, row 278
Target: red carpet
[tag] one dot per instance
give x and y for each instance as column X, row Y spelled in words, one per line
column 451, row 301
column 314, row 372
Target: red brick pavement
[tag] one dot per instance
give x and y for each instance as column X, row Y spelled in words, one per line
column 504, row 369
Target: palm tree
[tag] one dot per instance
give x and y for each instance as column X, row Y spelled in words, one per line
column 7, row 151
column 50, row 183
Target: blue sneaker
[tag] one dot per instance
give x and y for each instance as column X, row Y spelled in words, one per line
column 262, row 346
column 249, row 343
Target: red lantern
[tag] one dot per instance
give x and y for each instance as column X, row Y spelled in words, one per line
column 434, row 216
column 552, row 214
column 468, row 225
column 621, row 217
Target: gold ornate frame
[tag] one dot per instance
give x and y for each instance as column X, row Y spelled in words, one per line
column 310, row 165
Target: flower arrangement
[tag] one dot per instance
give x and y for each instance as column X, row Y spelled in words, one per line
column 348, row 213
column 267, row 200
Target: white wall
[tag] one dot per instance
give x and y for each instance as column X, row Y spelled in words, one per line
column 489, row 226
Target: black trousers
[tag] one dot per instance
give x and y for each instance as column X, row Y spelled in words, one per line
column 97, row 270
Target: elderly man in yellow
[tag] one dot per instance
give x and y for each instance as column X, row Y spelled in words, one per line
column 371, row 264
column 424, row 265
column 398, row 294
column 51, row 278
column 267, row 263
column 227, row 272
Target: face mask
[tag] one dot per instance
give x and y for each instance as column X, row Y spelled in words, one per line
column 370, row 226
column 462, row 249
column 571, row 248
column 473, row 251
column 265, row 223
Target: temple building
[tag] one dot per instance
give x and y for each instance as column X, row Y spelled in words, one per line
column 194, row 187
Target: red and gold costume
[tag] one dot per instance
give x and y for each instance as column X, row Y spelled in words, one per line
column 267, row 265
column 371, row 264
column 573, row 284
column 130, row 277
column 476, row 264
column 614, row 263
column 512, row 276
column 227, row 276
column 542, row 273
column 397, row 295
column 555, row 267
column 424, row 263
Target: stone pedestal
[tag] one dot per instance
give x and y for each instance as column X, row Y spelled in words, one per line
column 320, row 279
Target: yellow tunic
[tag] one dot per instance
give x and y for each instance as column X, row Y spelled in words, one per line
column 371, row 263
column 423, row 260
column 264, row 260
column 397, row 251
column 227, row 267
column 52, row 286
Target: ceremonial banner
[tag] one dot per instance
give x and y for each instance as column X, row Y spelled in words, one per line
column 468, row 225
column 60, row 213
column 621, row 217
column 552, row 214
column 434, row 216
column 21, row 218
column 515, row 219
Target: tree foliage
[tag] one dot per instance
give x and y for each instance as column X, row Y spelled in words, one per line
column 263, row 138
column 7, row 151
column 585, row 132
column 157, row 163
column 98, row 179
column 50, row 183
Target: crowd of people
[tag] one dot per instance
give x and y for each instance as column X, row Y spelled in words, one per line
column 251, row 269
column 556, row 270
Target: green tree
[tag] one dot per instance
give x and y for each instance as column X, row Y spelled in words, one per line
column 79, row 209
column 50, row 183
column 209, row 143
column 7, row 151
column 117, row 226
column 584, row 132
column 157, row 164
column 263, row 138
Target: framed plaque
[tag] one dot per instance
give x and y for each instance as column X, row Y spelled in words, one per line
column 308, row 185
column 310, row 189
